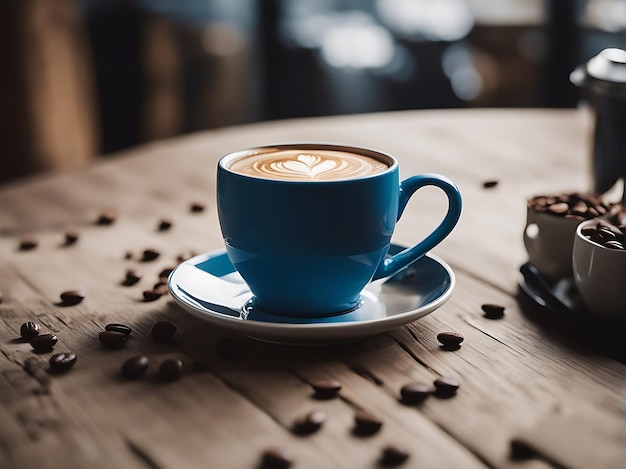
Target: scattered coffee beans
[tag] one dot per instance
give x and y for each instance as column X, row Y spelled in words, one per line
column 521, row 450
column 150, row 255
column 446, row 386
column 309, row 423
column 72, row 297
column 135, row 367
column 276, row 458
column 60, row 362
column 606, row 234
column 28, row 244
column 160, row 286
column 493, row 311
column 490, row 183
column 132, row 277
column 107, row 217
column 115, row 327
column 163, row 331
column 164, row 225
column 196, row 207
column 366, row 423
column 153, row 295
column 71, row 237
column 413, row 393
column 43, row 342
column 112, row 339
column 165, row 273
column 450, row 340
column 394, row 455
column 171, row 369
column 29, row 330
column 574, row 205
column 326, row 388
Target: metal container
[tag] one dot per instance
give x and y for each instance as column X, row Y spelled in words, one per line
column 603, row 80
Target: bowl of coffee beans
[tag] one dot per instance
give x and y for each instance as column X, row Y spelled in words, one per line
column 551, row 222
column 599, row 265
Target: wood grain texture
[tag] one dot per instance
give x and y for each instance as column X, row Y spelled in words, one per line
column 524, row 382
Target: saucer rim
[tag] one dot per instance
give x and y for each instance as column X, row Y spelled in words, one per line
column 347, row 330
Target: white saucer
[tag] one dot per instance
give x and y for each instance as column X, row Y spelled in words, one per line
column 209, row 287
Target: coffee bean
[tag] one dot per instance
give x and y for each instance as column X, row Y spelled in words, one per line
column 196, row 207
column 574, row 205
column 605, row 234
column 72, row 297
column 493, row 311
column 450, row 340
column 394, row 455
column 27, row 244
column 326, row 388
column 115, row 327
column 112, row 339
column 150, row 255
column 71, row 237
column 29, row 330
column 160, row 286
column 613, row 244
column 446, row 386
column 60, row 362
column 153, row 295
column 43, row 342
column 309, row 423
column 132, row 277
column 165, row 273
column 490, row 183
column 276, row 458
column 164, row 225
column 107, row 217
column 128, row 255
column 558, row 208
column 521, row 450
column 135, row 367
column 366, row 423
column 163, row 331
column 171, row 369
column 186, row 255
column 413, row 393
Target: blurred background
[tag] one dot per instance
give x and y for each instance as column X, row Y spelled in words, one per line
column 81, row 79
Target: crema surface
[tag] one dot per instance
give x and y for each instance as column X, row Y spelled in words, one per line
column 307, row 165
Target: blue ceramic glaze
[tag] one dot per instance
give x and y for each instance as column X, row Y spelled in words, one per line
column 309, row 248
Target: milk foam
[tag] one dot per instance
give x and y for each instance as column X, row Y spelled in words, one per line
column 307, row 165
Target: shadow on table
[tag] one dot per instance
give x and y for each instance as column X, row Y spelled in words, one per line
column 577, row 329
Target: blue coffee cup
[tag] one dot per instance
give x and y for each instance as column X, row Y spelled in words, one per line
column 308, row 248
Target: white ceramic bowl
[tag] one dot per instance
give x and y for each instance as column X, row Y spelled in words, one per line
column 600, row 275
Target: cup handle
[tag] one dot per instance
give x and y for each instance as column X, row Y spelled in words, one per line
column 408, row 187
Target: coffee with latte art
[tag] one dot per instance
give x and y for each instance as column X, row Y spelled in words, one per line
column 307, row 165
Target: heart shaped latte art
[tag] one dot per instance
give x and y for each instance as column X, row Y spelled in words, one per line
column 310, row 166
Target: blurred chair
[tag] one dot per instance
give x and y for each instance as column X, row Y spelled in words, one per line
column 47, row 116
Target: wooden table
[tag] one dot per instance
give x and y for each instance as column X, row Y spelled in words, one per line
column 531, row 396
